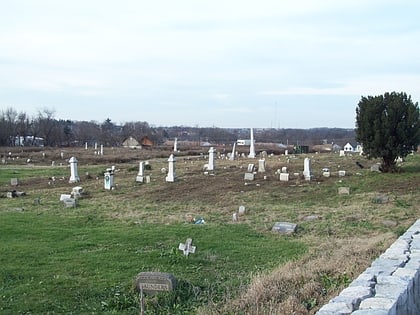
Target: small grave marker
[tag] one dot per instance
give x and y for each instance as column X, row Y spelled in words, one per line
column 249, row 176
column 70, row 203
column 187, row 248
column 14, row 181
column 344, row 190
column 234, row 217
column 155, row 282
column 284, row 177
column 284, row 227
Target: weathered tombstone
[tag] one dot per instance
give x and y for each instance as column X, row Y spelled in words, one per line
column 14, row 182
column 344, row 190
column 62, row 155
column 86, row 146
column 284, row 227
column 74, row 177
column 140, row 174
column 109, row 179
column 170, row 177
column 375, row 168
column 234, row 217
column 147, row 179
column 380, row 199
column 102, row 149
column 284, row 177
column 241, row 210
column 326, row 174
column 187, row 247
column 77, row 192
column 261, row 166
column 251, row 147
column 65, row 196
column 249, row 176
column 155, row 282
column 307, row 169
column 211, row 159
column 284, row 169
column 286, row 152
column 96, row 146
column 70, row 203
column 341, row 173
column 251, row 168
column 342, row 153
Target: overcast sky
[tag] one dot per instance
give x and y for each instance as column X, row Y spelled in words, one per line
column 280, row 64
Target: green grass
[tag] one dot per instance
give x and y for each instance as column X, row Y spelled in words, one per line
column 54, row 264
column 84, row 260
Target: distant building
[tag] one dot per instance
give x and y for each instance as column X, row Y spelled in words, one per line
column 146, row 142
column 348, row 148
column 131, row 143
column 23, row 141
column 243, row 142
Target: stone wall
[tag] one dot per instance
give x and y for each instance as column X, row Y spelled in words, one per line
column 390, row 286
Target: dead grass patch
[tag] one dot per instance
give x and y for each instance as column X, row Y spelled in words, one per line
column 303, row 286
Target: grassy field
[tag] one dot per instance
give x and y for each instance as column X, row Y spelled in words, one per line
column 84, row 260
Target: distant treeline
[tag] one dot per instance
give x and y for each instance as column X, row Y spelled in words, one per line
column 19, row 129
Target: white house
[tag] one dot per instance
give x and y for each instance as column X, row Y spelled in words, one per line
column 348, row 148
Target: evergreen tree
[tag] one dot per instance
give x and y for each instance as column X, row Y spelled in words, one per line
column 388, row 127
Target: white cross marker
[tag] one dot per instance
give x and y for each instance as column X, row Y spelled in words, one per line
column 187, row 248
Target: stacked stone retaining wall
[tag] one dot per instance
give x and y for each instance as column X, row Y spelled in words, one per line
column 390, row 286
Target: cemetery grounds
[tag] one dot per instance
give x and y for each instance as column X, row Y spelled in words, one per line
column 84, row 260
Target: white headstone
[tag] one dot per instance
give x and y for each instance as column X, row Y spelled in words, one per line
column 86, row 146
column 77, row 192
column 284, row 177
column 102, row 149
column 74, row 177
column 232, row 155
column 170, row 177
column 261, row 166
column 284, row 169
column 249, row 176
column 96, row 146
column 176, row 145
column 140, row 174
column 65, row 196
column 108, row 179
column 341, row 173
column 252, row 147
column 211, row 159
column 342, row 153
column 234, row 217
column 284, row 227
column 187, row 247
column 250, row 168
column 241, row 210
column 307, row 169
